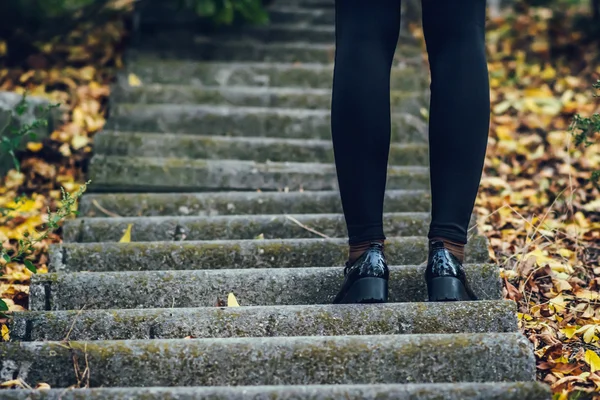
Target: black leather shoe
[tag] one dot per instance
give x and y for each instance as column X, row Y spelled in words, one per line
column 445, row 276
column 366, row 280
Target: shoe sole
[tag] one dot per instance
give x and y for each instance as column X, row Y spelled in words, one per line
column 366, row 290
column 448, row 288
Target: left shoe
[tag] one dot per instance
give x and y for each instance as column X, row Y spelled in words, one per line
column 366, row 280
column 445, row 276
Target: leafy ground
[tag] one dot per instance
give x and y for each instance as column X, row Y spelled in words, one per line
column 537, row 204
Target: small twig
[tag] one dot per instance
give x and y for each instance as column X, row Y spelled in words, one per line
column 66, row 339
column 300, row 224
column 104, row 210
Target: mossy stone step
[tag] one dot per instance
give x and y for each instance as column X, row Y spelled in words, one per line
column 288, row 14
column 411, row 391
column 149, row 69
column 245, row 121
column 252, row 96
column 273, row 226
column 472, row 357
column 219, row 254
column 207, row 48
column 236, row 203
column 264, row 321
column 252, row 287
column 123, row 173
column 260, row 149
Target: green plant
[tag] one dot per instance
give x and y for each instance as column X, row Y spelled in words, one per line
column 585, row 129
column 13, row 133
column 25, row 246
column 225, row 12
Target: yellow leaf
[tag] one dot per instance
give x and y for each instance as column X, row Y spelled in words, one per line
column 562, row 285
column 593, row 360
column 88, row 73
column 5, row 333
column 14, row 382
column 588, row 333
column 79, row 141
column 34, row 146
column 592, row 205
column 569, row 331
column 559, row 303
column 127, row 236
column 42, row 386
column 232, row 301
column 134, row 81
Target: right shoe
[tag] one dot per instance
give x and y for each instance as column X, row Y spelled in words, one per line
column 445, row 276
column 366, row 280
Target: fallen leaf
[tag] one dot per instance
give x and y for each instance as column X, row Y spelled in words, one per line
column 232, row 301
column 593, row 360
column 5, row 333
column 127, row 236
column 133, row 80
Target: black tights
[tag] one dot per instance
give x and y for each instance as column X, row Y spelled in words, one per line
column 366, row 36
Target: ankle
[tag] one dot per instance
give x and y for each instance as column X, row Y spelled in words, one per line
column 357, row 249
column 455, row 248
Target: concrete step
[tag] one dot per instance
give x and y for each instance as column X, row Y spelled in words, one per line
column 150, row 69
column 297, row 15
column 114, row 173
column 264, row 321
column 236, row 203
column 478, row 357
column 202, row 47
column 411, row 391
column 259, row 149
column 219, row 254
column 245, row 121
column 252, row 96
column 273, row 226
column 252, row 287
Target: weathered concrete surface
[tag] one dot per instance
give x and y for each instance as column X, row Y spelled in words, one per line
column 152, row 229
column 237, row 203
column 245, row 121
column 265, row 321
column 220, row 254
column 252, row 96
column 114, row 173
column 205, row 48
column 202, row 288
column 276, row 361
column 414, row 391
column 167, row 145
column 405, row 77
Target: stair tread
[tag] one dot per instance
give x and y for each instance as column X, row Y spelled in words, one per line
column 273, row 226
column 471, row 357
column 409, row 391
column 203, row 288
column 215, row 254
column 236, row 203
column 256, row 321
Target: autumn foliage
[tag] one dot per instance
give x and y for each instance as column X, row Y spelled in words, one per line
column 538, row 203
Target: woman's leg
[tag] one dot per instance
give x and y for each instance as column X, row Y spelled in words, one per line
column 459, row 113
column 366, row 37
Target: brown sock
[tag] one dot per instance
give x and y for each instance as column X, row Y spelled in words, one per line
column 457, row 249
column 357, row 250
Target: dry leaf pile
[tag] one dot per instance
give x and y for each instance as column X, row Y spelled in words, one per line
column 75, row 71
column 537, row 204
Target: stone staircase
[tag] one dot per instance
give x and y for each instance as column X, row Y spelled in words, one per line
column 181, row 161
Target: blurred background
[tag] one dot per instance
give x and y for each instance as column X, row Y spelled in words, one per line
column 539, row 202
